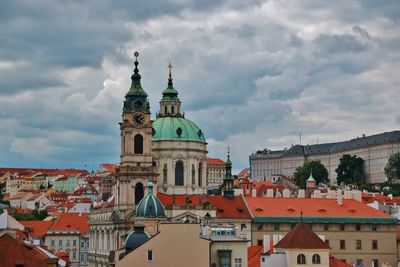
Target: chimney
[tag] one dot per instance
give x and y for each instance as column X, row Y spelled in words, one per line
column 340, row 197
column 270, row 193
column 254, row 192
column 317, row 194
column 301, row 193
column 267, row 243
column 286, row 193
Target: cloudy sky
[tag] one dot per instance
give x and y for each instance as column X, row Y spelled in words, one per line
column 251, row 74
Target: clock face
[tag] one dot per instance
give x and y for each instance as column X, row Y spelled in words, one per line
column 138, row 119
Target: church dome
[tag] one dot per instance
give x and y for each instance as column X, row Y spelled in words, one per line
column 150, row 206
column 136, row 238
column 176, row 129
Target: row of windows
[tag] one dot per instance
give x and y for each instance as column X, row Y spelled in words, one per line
column 326, row 226
column 60, row 242
column 301, row 259
column 342, row 244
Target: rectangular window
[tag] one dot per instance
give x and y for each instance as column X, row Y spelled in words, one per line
column 74, row 255
column 74, row 242
column 238, row 262
column 326, row 227
column 374, row 227
column 82, row 244
column 60, row 242
column 358, row 227
column 375, row 263
column 374, row 244
column 149, row 255
column 276, row 226
column 82, row 257
column 259, row 242
column 242, row 226
column 342, row 244
column 341, row 227
column 259, row 226
column 53, row 243
column 68, row 242
column 358, row 244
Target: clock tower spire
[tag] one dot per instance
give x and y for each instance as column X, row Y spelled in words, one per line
column 136, row 166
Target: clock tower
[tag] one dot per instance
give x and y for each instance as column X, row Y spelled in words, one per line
column 136, row 166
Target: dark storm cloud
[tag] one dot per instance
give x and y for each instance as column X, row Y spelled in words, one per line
column 250, row 74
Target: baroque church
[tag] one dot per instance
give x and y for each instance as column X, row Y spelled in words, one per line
column 166, row 157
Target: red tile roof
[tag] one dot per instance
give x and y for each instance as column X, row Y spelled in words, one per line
column 253, row 256
column 15, row 252
column 24, row 171
column 311, row 207
column 244, row 173
column 230, row 208
column 180, row 200
column 39, row 228
column 112, row 168
column 215, row 161
column 301, row 237
column 333, row 262
column 71, row 221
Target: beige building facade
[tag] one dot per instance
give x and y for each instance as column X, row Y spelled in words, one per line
column 375, row 150
column 187, row 249
column 372, row 242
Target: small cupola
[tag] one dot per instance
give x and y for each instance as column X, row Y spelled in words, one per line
column 150, row 206
column 137, row 237
column 170, row 105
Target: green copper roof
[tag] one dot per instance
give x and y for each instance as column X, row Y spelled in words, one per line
column 176, row 128
column 311, row 178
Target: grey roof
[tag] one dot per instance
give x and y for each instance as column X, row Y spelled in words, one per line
column 359, row 142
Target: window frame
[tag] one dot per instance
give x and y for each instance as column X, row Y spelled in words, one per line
column 150, row 255
column 301, row 259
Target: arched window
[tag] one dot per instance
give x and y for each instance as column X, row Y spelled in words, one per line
column 139, row 192
column 172, row 110
column 138, row 144
column 301, row 259
column 316, row 259
column 165, row 110
column 179, row 173
column 200, row 173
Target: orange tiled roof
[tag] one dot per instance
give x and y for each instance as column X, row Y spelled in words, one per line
column 71, row 221
column 333, row 262
column 285, row 208
column 230, row 208
column 244, row 173
column 180, row 200
column 253, row 256
column 215, row 161
column 15, row 252
column 301, row 237
column 39, row 228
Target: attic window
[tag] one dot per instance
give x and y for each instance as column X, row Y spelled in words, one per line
column 322, row 210
column 259, row 209
column 290, row 210
column 199, row 133
column 239, row 210
column 352, row 210
column 220, row 210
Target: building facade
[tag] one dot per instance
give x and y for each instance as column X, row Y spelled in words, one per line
column 169, row 153
column 215, row 171
column 375, row 150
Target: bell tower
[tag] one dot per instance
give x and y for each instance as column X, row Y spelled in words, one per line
column 136, row 166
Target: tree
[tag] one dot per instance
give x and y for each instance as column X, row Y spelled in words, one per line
column 350, row 170
column 392, row 169
column 319, row 172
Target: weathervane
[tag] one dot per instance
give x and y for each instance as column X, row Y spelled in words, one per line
column 136, row 54
column 170, row 75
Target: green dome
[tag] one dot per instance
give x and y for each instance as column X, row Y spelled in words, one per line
column 150, row 206
column 176, row 128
